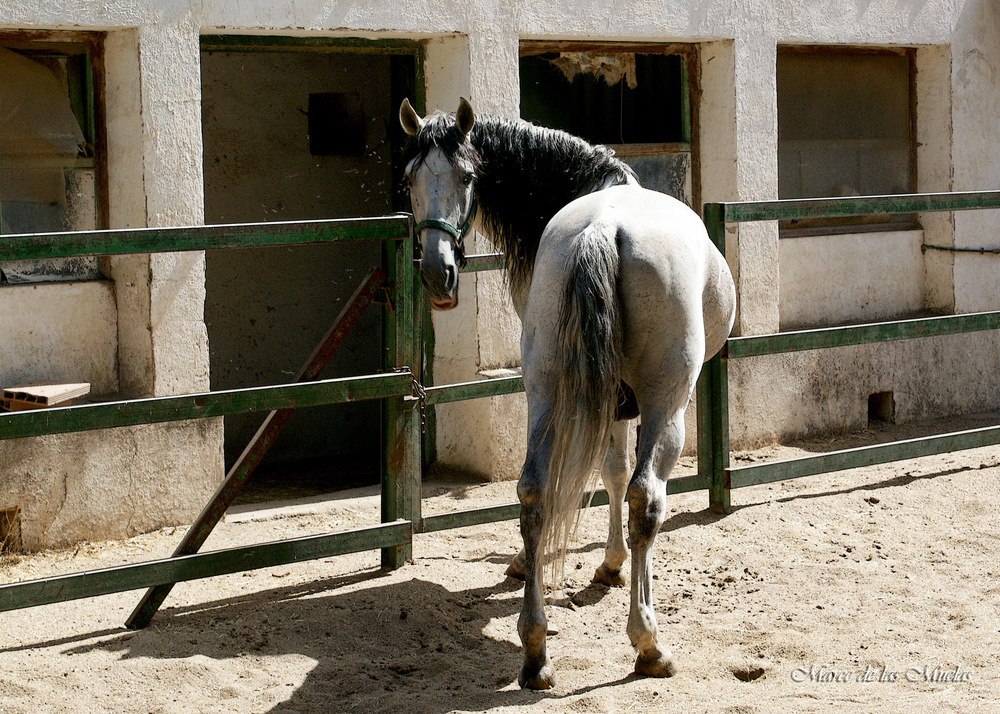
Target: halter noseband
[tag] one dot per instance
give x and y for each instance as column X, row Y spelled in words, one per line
column 457, row 234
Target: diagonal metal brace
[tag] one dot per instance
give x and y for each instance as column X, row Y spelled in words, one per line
column 259, row 444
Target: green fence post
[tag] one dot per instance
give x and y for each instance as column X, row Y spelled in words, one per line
column 713, row 397
column 401, row 415
column 418, row 415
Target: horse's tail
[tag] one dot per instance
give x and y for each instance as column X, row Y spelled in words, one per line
column 590, row 340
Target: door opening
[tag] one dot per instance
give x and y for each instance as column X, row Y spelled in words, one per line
column 298, row 132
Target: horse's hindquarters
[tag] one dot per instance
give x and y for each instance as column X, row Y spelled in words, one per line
column 719, row 303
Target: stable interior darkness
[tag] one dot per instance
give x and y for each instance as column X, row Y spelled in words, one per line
column 267, row 308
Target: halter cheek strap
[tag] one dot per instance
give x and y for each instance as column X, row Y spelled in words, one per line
column 457, row 234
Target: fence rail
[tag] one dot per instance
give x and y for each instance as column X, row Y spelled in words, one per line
column 194, row 238
column 131, row 412
column 168, row 571
column 713, row 390
column 737, row 347
column 400, row 391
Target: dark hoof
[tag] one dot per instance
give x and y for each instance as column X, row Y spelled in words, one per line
column 515, row 570
column 532, row 677
column 662, row 666
column 606, row 576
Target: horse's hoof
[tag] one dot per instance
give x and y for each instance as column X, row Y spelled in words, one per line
column 605, row 576
column 515, row 570
column 662, row 666
column 532, row 677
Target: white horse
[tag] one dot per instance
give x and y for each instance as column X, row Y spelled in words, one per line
column 622, row 297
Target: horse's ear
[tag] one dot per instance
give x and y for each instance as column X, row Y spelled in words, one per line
column 408, row 117
column 464, row 117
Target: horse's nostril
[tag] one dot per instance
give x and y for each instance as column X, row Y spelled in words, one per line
column 451, row 280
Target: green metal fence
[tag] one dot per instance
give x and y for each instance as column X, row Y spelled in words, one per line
column 404, row 396
column 713, row 408
column 400, row 421
column 398, row 386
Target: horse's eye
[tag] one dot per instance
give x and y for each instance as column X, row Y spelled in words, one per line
column 468, row 178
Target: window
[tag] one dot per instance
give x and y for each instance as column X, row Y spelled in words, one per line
column 631, row 98
column 48, row 147
column 845, row 123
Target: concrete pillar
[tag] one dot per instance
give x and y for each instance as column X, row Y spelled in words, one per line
column 976, row 125
column 738, row 137
column 934, row 142
column 172, row 155
column 127, row 209
column 483, row 437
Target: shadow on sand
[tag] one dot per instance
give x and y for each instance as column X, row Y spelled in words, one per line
column 412, row 646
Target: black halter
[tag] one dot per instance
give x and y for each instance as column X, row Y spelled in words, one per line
column 457, row 234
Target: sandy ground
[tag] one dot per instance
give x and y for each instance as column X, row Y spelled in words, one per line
column 871, row 590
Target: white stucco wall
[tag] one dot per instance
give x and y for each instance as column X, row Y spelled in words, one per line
column 851, row 277
column 112, row 483
column 35, row 321
column 472, row 50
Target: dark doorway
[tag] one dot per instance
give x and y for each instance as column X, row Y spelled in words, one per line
column 298, row 131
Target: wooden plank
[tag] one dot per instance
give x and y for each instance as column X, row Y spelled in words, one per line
column 46, row 393
column 19, row 405
column 93, row 583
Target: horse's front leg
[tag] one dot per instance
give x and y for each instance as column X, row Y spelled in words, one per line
column 536, row 672
column 615, row 476
column 647, row 500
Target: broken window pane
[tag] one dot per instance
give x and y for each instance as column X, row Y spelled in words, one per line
column 47, row 171
column 635, row 102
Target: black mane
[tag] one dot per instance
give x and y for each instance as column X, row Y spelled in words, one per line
column 526, row 173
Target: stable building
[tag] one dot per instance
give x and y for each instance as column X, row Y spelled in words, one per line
column 219, row 113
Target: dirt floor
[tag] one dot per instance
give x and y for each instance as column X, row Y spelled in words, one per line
column 874, row 590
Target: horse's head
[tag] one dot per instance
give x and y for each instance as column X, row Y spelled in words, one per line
column 441, row 175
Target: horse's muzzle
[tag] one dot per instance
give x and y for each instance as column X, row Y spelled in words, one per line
column 441, row 282
column 444, row 304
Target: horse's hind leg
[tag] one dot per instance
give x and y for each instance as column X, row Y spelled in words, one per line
column 615, row 475
column 660, row 446
column 517, row 566
column 537, row 671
